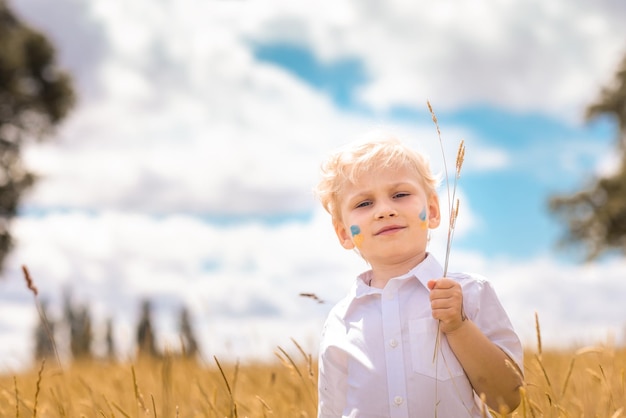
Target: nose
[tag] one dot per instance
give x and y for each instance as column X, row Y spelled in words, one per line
column 386, row 210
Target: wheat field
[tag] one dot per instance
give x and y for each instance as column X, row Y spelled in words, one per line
column 588, row 382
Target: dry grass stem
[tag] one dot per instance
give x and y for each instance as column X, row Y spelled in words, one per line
column 452, row 201
column 564, row 383
column 154, row 409
column 454, row 213
column 434, row 117
column 119, row 408
column 17, row 398
column 138, row 394
column 30, row 284
column 443, row 153
column 570, row 369
column 312, row 296
column 29, row 281
column 592, row 384
column 233, row 404
column 545, row 373
column 453, row 206
column 38, row 387
column 460, row 157
column 291, row 364
column 538, row 330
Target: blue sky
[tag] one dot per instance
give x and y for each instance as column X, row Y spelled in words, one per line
column 514, row 202
column 185, row 172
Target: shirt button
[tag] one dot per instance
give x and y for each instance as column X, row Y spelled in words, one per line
column 393, row 343
column 398, row 400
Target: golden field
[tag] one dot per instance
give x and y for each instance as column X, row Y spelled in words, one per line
column 589, row 382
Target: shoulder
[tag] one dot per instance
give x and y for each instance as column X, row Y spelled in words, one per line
column 338, row 312
column 334, row 329
column 471, row 282
column 477, row 290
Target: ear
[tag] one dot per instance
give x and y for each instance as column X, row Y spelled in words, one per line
column 434, row 215
column 345, row 238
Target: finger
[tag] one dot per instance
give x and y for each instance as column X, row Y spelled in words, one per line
column 445, row 298
column 439, row 294
column 445, row 314
column 445, row 283
column 440, row 303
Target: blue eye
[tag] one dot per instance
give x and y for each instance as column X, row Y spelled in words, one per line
column 399, row 195
column 363, row 204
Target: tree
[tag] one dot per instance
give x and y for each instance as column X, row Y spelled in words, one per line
column 187, row 335
column 78, row 322
column 146, row 341
column 596, row 217
column 110, row 341
column 35, row 95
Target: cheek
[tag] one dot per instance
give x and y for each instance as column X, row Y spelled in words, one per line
column 357, row 237
column 423, row 218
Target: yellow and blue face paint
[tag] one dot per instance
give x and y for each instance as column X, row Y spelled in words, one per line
column 424, row 221
column 357, row 238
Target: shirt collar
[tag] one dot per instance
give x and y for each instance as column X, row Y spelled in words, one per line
column 428, row 269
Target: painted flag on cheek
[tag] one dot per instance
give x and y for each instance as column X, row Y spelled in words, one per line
column 357, row 238
column 424, row 222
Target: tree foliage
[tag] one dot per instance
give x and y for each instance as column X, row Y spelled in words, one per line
column 35, row 95
column 596, row 217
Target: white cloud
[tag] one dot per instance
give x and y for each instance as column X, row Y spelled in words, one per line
column 573, row 302
column 176, row 117
column 246, row 274
column 185, row 113
column 242, row 284
column 517, row 55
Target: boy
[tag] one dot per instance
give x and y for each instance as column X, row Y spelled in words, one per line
column 377, row 348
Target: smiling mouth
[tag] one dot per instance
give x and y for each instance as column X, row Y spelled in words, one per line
column 389, row 230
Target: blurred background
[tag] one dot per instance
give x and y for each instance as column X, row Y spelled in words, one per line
column 159, row 156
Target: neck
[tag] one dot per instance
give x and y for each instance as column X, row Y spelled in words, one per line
column 383, row 272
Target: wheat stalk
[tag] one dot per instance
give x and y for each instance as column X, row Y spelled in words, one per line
column 538, row 331
column 153, row 406
column 138, row 394
column 453, row 203
column 453, row 213
column 290, row 363
column 30, row 284
column 453, row 207
column 119, row 408
column 38, row 387
column 17, row 398
column 207, row 399
column 231, row 391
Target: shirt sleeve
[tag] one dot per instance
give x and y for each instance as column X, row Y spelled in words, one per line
column 333, row 370
column 486, row 311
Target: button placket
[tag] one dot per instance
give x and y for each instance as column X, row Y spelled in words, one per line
column 392, row 334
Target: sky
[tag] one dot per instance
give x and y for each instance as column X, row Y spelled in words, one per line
column 185, row 172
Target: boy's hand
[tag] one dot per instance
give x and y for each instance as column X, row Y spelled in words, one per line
column 446, row 302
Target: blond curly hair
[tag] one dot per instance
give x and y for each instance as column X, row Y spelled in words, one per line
column 344, row 167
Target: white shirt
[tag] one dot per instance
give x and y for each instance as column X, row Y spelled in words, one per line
column 376, row 351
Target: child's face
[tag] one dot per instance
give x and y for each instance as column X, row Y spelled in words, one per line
column 386, row 215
